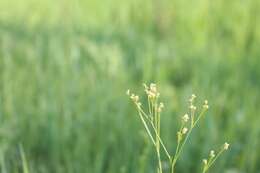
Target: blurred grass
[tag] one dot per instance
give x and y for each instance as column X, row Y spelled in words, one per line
column 65, row 67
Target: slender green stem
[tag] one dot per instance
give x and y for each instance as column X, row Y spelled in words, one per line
column 149, row 106
column 151, row 122
column 182, row 145
column 215, row 158
column 157, row 130
column 146, row 128
column 200, row 115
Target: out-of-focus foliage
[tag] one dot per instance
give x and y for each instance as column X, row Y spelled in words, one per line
column 65, row 67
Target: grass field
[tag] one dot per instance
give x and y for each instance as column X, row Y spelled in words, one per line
column 65, row 67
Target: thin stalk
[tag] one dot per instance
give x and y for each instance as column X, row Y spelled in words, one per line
column 200, row 115
column 146, row 128
column 149, row 106
column 157, row 130
column 151, row 122
column 180, row 150
column 219, row 153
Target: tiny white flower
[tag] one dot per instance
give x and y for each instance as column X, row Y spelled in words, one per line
column 193, row 107
column 184, row 130
column 212, row 153
column 206, row 106
column 185, row 118
column 226, row 146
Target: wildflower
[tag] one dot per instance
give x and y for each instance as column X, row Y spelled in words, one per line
column 206, row 106
column 184, row 130
column 205, row 161
column 193, row 107
column 135, row 98
column 151, row 91
column 226, row 145
column 161, row 106
column 212, row 153
column 185, row 118
column 193, row 96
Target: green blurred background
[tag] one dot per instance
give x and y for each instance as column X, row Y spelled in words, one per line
column 65, row 66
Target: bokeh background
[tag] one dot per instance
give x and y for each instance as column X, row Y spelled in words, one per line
column 65, row 66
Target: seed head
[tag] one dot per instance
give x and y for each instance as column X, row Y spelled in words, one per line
column 128, row 92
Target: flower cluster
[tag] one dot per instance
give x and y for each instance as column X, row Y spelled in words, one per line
column 134, row 97
column 191, row 100
column 213, row 157
column 150, row 118
column 185, row 118
column 206, row 106
column 151, row 91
